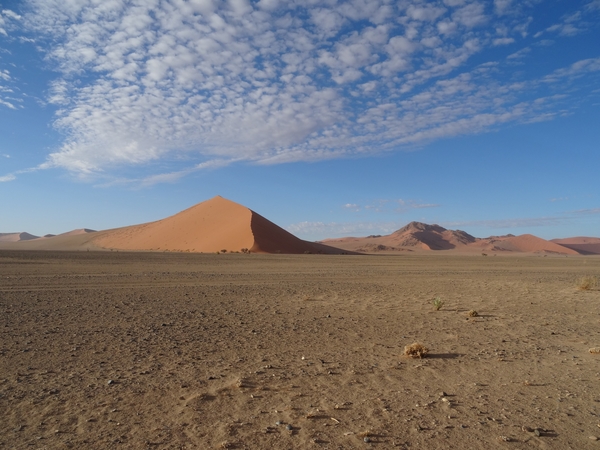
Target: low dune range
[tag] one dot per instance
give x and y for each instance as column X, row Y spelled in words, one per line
column 171, row 343
column 220, row 225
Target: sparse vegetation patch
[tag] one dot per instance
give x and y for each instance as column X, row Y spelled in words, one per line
column 587, row 283
column 416, row 350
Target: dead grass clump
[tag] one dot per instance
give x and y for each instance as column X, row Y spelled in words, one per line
column 595, row 350
column 472, row 313
column 587, row 283
column 416, row 350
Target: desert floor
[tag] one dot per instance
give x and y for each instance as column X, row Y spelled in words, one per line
column 190, row 351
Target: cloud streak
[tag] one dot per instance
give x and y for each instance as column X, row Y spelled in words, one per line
column 270, row 83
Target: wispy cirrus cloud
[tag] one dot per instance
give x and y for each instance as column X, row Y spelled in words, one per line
column 588, row 211
column 270, row 82
column 7, row 178
column 388, row 206
column 523, row 222
column 322, row 230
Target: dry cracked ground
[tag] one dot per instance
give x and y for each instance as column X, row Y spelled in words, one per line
column 190, row 351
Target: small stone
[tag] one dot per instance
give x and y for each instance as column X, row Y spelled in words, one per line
column 111, row 381
column 593, row 438
column 367, row 439
column 289, row 427
column 279, row 422
column 537, row 432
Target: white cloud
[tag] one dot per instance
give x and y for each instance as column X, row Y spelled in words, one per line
column 7, row 19
column 270, row 82
column 593, row 5
column 588, row 211
column 575, row 70
column 424, row 13
column 502, row 6
column 7, row 178
column 520, row 54
column 503, row 41
column 471, row 15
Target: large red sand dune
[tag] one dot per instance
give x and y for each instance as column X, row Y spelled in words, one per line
column 211, row 226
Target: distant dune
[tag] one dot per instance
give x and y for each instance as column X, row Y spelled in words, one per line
column 418, row 236
column 583, row 245
column 16, row 237
column 526, row 243
column 414, row 236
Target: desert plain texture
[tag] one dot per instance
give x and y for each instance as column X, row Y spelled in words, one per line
column 117, row 350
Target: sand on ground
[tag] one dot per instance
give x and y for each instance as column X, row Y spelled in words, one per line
column 120, row 350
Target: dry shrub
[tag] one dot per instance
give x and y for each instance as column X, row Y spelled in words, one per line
column 595, row 350
column 416, row 350
column 472, row 313
column 437, row 303
column 587, row 283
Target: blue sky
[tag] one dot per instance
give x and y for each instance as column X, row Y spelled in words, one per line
column 330, row 118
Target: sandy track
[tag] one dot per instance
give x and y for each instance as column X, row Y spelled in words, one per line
column 126, row 350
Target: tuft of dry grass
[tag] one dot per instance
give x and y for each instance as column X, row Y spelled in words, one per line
column 587, row 283
column 437, row 303
column 472, row 313
column 416, row 350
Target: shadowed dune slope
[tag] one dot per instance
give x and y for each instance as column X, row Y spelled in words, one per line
column 583, row 245
column 16, row 237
